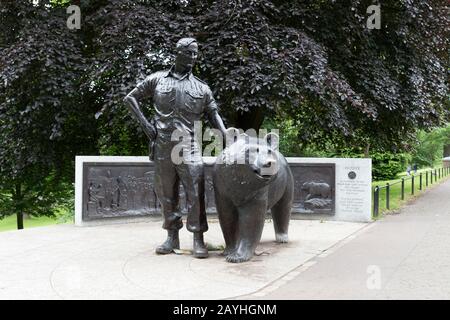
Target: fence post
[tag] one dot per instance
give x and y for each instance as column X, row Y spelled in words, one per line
column 420, row 181
column 431, row 177
column 376, row 199
column 426, row 178
column 412, row 184
column 387, row 195
column 435, row 175
column 403, row 188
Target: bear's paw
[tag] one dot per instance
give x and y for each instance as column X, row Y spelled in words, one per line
column 238, row 257
column 281, row 237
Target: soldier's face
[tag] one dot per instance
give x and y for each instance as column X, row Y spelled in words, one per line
column 187, row 56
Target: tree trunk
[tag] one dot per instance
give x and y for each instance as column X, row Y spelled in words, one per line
column 250, row 120
column 19, row 220
column 366, row 151
column 447, row 151
column 18, row 199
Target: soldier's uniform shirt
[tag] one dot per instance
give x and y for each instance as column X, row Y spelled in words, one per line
column 177, row 102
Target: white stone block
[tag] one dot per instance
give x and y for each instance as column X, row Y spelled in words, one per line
column 353, row 196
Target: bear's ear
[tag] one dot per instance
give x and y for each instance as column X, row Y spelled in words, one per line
column 272, row 139
column 244, row 137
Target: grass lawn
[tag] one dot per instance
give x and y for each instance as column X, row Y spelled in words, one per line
column 10, row 222
column 395, row 201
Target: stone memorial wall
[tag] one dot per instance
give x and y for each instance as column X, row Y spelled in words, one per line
column 119, row 189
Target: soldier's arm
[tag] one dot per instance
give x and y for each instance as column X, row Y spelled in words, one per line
column 144, row 89
column 213, row 114
column 217, row 122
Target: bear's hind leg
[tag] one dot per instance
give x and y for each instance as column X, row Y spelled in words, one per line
column 251, row 224
column 281, row 214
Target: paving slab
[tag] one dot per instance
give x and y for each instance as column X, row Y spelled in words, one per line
column 402, row 256
column 119, row 262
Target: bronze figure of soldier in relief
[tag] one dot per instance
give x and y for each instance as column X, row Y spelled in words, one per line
column 179, row 99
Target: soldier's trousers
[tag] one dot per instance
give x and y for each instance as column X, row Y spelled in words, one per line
column 168, row 176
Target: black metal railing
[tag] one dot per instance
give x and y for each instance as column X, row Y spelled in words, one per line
column 431, row 176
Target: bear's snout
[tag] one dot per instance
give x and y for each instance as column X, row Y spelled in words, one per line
column 269, row 163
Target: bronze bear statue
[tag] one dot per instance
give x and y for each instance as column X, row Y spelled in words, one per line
column 250, row 178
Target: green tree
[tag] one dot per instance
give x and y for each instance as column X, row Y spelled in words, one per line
column 43, row 120
column 430, row 145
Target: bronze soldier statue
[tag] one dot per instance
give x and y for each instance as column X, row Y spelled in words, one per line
column 179, row 99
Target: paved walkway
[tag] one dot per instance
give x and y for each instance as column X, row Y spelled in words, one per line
column 118, row 262
column 402, row 256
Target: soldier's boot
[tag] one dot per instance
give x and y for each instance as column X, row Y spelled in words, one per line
column 200, row 250
column 172, row 242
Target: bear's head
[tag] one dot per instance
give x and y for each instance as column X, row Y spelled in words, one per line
column 306, row 186
column 251, row 161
